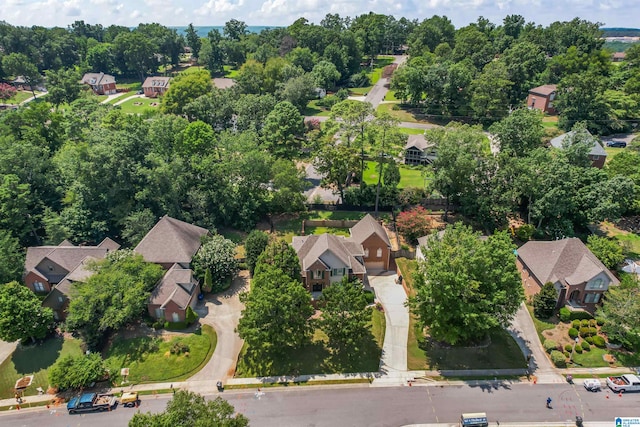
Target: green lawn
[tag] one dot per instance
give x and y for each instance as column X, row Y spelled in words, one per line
column 20, row 96
column 359, row 91
column 313, row 109
column 590, row 359
column 330, row 230
column 133, row 86
column 34, row 360
column 316, row 358
column 541, row 325
column 288, row 226
column 230, row 72
column 612, row 151
column 408, row 267
column 140, row 105
column 411, row 131
column 149, row 359
column 400, row 114
column 122, row 97
column 380, row 63
column 408, row 177
column 391, row 96
column 630, row 241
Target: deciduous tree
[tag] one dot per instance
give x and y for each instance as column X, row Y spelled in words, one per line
column 255, row 243
column 619, row 311
column 608, row 251
column 217, row 255
column 22, row 315
column 184, row 89
column 72, row 372
column 13, row 256
column 544, row 302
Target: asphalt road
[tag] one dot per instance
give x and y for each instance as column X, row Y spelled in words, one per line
column 386, row 406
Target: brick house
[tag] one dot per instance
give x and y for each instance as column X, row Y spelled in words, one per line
column 172, row 243
column 579, row 277
column 46, row 266
column 155, row 86
column 59, row 297
column 101, row 83
column 369, row 233
column 597, row 155
column 417, row 151
column 542, row 98
column 326, row 259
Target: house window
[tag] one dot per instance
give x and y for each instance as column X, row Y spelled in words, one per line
column 596, row 284
column 38, row 286
column 591, row 298
column 160, row 313
column 60, row 299
column 366, row 253
column 317, row 287
column 317, row 274
column 338, row 272
column 175, row 317
column 379, row 253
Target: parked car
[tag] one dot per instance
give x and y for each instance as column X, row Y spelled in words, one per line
column 592, row 384
column 616, row 144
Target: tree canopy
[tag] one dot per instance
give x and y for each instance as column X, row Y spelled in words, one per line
column 22, row 316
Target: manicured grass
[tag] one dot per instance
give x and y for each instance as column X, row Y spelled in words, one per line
column 501, row 353
column 232, row 73
column 133, row 86
column 122, row 97
column 351, row 215
column 380, row 63
column 391, row 96
column 359, row 91
column 298, row 383
column 411, row 131
column 408, row 177
column 150, row 360
column 20, row 96
column 590, row 359
column 288, row 226
column 400, row 114
column 408, row 267
column 630, row 241
column 316, row 358
column 330, row 230
column 34, row 360
column 541, row 325
column 236, row 236
column 313, row 109
column 612, row 151
column 140, row 105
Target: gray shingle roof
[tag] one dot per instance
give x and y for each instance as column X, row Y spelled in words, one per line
column 596, row 149
column 97, row 79
column 78, row 274
column 313, row 248
column 417, row 141
column 567, row 259
column 366, row 227
column 544, row 90
column 177, row 285
column 160, row 82
column 171, row 241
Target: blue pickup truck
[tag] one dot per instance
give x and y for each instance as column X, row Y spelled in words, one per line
column 91, row 402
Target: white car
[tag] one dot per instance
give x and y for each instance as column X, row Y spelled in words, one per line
column 592, row 384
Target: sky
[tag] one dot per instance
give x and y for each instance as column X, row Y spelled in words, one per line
column 49, row 13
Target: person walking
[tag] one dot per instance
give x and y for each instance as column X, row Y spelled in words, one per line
column 549, row 402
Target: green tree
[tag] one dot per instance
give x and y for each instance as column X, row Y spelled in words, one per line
column 519, row 132
column 254, row 245
column 114, row 295
column 325, row 74
column 22, row 315
column 619, row 312
column 15, row 206
column 187, row 409
column 193, row 40
column 18, row 64
column 217, row 255
column 288, row 186
column 212, row 54
column 276, row 314
column 608, row 251
column 136, row 53
column 336, row 163
column 283, row 127
column 466, row 287
column 13, row 257
column 208, row 281
column 72, row 372
column 544, row 302
column 101, row 58
column 63, row 86
column 345, row 316
column 280, row 255
column 184, row 89
column 299, row 90
column 250, row 77
column 234, row 29
column 490, row 92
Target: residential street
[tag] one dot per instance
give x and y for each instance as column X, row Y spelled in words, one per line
column 222, row 312
column 379, row 90
column 332, row 406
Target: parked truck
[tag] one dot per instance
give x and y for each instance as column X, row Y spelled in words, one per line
column 624, row 383
column 91, row 402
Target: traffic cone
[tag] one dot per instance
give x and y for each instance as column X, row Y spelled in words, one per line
column 409, row 383
column 607, row 395
column 18, row 407
column 620, row 394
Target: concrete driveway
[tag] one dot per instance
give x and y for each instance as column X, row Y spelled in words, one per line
column 222, row 312
column 393, row 298
column 6, row 350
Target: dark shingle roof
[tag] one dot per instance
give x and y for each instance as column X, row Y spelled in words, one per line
column 567, row 259
column 596, row 148
column 313, row 248
column 544, row 90
column 66, row 255
column 418, row 141
column 177, row 285
column 366, row 227
column 171, row 241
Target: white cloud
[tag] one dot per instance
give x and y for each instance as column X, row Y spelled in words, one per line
column 213, row 7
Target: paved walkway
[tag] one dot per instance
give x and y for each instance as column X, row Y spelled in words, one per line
column 128, row 98
column 112, row 96
column 222, row 312
column 393, row 299
column 6, row 350
column 524, row 332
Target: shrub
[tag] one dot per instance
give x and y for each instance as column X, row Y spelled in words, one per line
column 414, row 223
column 579, row 349
column 593, row 331
column 584, row 322
column 544, row 302
column 585, row 346
column 179, row 347
column 369, row 296
column 573, row 333
column 575, row 323
column 580, row 315
column 158, row 325
column 567, row 354
column 599, row 321
column 599, row 342
column 593, row 323
column 175, row 326
column 589, row 340
column 565, row 314
column 525, row 232
column 190, row 316
column 585, row 332
column 558, row 359
column 550, row 345
column 568, row 347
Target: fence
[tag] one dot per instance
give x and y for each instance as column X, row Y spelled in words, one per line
column 334, row 223
column 403, row 253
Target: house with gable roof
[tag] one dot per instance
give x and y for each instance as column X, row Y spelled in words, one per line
column 172, row 243
column 369, row 233
column 418, row 151
column 542, row 98
column 578, row 275
column 47, row 266
column 100, row 83
column 59, row 297
column 155, row 86
column 597, row 154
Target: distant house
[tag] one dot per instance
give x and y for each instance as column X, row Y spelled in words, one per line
column 417, row 151
column 372, row 236
column 59, row 297
column 172, row 243
column 580, row 279
column 597, row 155
column 618, row 56
column 423, row 242
column 542, row 98
column 155, row 86
column 176, row 291
column 326, row 259
column 46, row 266
column 101, row 83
